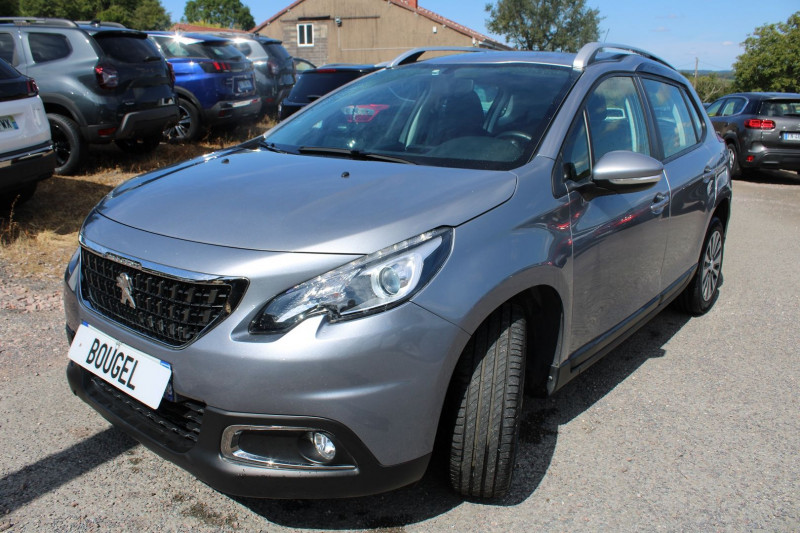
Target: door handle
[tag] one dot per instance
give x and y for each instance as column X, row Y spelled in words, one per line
column 708, row 173
column 659, row 203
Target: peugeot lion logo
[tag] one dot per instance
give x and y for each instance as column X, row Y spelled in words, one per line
column 125, row 283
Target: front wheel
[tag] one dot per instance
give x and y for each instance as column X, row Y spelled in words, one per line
column 487, row 390
column 699, row 297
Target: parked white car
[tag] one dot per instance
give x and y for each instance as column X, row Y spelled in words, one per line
column 26, row 151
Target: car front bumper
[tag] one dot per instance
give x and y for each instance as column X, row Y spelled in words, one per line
column 375, row 385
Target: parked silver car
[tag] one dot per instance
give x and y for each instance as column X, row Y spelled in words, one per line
column 301, row 315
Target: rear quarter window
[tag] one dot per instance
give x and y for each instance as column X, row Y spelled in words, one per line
column 127, row 48
column 48, row 46
column 7, row 48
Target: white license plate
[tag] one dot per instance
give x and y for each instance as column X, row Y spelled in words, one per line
column 245, row 85
column 133, row 372
column 8, row 123
column 791, row 136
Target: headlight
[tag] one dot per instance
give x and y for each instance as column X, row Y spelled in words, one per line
column 370, row 284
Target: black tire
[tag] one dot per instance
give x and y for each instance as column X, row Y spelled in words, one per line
column 487, row 391
column 701, row 294
column 68, row 144
column 187, row 129
column 733, row 154
column 141, row 146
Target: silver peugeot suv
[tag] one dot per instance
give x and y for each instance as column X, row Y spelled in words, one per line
column 306, row 314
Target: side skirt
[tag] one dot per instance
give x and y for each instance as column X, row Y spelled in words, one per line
column 596, row 349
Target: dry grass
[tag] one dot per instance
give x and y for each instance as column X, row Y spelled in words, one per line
column 38, row 237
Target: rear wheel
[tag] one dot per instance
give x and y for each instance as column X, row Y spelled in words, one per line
column 67, row 143
column 733, row 160
column 144, row 145
column 187, row 128
column 699, row 297
column 487, row 392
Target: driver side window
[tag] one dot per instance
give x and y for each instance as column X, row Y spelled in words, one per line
column 616, row 118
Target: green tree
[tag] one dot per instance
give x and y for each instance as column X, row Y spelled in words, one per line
column 711, row 86
column 551, row 25
column 137, row 14
column 9, row 8
column 770, row 59
column 223, row 13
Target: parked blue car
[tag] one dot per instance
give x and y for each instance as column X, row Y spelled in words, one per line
column 214, row 82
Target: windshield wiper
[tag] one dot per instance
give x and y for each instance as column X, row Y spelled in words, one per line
column 352, row 154
column 272, row 147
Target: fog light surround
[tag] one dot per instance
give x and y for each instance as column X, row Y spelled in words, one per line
column 284, row 448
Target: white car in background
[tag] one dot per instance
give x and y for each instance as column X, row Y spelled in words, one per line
column 26, row 151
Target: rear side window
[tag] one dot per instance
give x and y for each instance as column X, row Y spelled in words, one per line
column 732, row 106
column 48, row 46
column 127, row 48
column 7, row 48
column 675, row 124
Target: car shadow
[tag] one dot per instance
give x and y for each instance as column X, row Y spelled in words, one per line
column 774, row 177
column 48, row 474
column 432, row 496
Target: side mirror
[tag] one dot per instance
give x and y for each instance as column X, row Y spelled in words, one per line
column 623, row 170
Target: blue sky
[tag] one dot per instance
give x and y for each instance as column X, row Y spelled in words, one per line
column 678, row 31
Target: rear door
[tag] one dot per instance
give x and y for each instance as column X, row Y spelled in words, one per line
column 690, row 167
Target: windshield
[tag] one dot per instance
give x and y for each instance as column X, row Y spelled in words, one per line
column 488, row 116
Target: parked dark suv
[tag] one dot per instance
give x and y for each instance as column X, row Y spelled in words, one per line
column 314, row 83
column 214, row 82
column 274, row 67
column 761, row 130
column 99, row 82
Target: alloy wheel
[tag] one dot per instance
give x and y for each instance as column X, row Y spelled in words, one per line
column 712, row 264
column 61, row 145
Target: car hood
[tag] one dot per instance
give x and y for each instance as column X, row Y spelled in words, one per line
column 261, row 200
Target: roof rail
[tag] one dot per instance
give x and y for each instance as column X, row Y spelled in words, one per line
column 413, row 55
column 97, row 23
column 588, row 54
column 29, row 21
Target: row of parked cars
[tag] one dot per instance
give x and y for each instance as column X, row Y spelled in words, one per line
column 103, row 83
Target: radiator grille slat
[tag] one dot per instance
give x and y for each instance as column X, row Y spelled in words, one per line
column 171, row 311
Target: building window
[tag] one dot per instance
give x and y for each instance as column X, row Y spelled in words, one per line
column 305, row 35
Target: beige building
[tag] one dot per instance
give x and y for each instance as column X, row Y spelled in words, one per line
column 364, row 31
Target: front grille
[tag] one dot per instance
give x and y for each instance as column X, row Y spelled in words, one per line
column 163, row 308
column 175, row 425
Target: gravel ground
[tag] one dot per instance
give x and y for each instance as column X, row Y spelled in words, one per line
column 691, row 425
